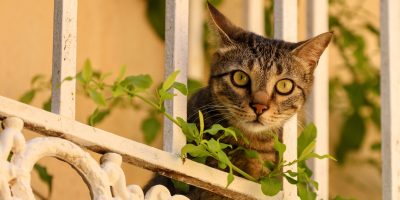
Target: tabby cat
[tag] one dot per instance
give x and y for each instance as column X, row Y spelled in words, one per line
column 256, row 85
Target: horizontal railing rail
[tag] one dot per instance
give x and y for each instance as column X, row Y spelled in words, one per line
column 168, row 162
column 141, row 155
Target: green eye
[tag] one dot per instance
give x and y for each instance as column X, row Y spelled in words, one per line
column 240, row 78
column 284, row 86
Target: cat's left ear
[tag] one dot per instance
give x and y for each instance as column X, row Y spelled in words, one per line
column 228, row 32
column 311, row 50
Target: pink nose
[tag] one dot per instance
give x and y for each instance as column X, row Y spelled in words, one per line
column 259, row 108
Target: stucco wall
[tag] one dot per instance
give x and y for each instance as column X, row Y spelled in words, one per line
column 111, row 34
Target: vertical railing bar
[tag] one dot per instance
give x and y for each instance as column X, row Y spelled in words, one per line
column 285, row 27
column 390, row 98
column 176, row 46
column 254, row 16
column 196, row 50
column 64, row 57
column 318, row 108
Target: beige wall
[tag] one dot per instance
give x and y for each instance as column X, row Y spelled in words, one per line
column 111, row 34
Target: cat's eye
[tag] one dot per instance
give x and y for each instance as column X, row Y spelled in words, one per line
column 284, row 86
column 240, row 78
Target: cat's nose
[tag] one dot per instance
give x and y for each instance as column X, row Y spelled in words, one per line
column 259, row 108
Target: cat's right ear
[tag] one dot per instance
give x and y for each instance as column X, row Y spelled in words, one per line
column 227, row 31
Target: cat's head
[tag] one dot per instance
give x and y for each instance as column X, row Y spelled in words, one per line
column 261, row 82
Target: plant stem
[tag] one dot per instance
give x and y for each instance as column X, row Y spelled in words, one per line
column 158, row 108
column 244, row 174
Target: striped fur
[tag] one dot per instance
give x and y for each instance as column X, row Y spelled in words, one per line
column 265, row 61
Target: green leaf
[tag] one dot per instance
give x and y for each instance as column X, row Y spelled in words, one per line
column 372, row 28
column 117, row 90
column 181, row 88
column 213, row 145
column 290, row 179
column 307, row 150
column 37, row 78
column 104, row 76
column 97, row 116
column 10, row 155
column 150, row 127
column 215, row 128
column 193, row 150
column 193, row 86
column 251, row 153
column 224, row 146
column 377, row 146
column 155, row 13
column 47, row 105
column 271, row 185
column 315, row 155
column 201, row 122
column 97, row 97
column 269, row 165
column 294, row 174
column 169, row 81
column 307, row 136
column 121, row 74
column 181, row 186
column 200, row 159
column 230, row 131
column 342, row 198
column 314, row 184
column 215, row 2
column 139, row 82
column 222, row 165
column 44, row 176
column 279, row 147
column 305, row 193
column 68, row 78
column 189, row 129
column 87, row 71
column 230, row 178
column 351, row 137
column 222, row 157
column 165, row 95
column 28, row 96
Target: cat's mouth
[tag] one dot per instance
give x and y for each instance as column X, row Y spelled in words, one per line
column 257, row 122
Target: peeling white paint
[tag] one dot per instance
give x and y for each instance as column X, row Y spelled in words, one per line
column 15, row 175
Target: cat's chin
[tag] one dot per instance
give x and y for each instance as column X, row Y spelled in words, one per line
column 256, row 127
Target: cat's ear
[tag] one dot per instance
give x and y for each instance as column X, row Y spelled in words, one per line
column 227, row 31
column 311, row 50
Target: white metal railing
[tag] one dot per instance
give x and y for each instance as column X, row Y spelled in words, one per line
column 168, row 163
column 64, row 57
column 390, row 98
column 177, row 49
column 318, row 105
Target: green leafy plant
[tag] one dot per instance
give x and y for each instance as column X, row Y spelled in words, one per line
column 131, row 88
column 199, row 148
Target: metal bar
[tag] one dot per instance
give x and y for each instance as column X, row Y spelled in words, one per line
column 285, row 28
column 254, row 16
column 100, row 141
column 390, row 98
column 64, row 57
column 176, row 46
column 318, row 105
